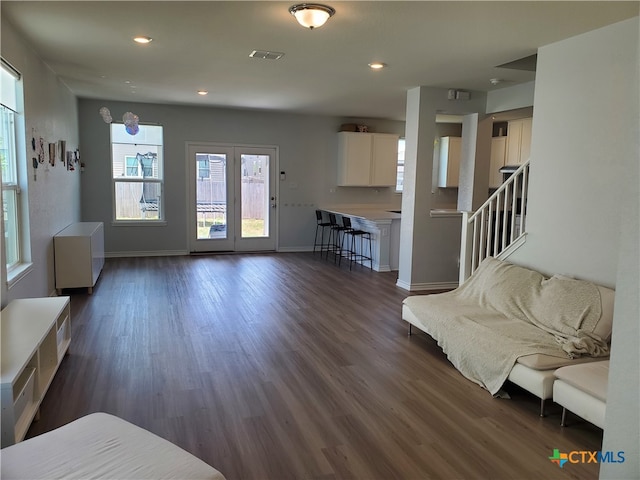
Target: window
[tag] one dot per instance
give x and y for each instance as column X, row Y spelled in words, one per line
column 400, row 168
column 204, row 169
column 133, row 166
column 137, row 174
column 16, row 245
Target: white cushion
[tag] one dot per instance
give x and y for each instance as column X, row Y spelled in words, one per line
column 101, row 446
column 591, row 378
column 590, row 408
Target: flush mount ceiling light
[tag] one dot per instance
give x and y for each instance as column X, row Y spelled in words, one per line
column 377, row 65
column 203, row 92
column 142, row 39
column 311, row 15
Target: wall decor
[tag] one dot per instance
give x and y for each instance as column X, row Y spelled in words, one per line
column 70, row 164
column 63, row 150
column 106, row 115
column 52, row 154
column 131, row 121
column 41, row 150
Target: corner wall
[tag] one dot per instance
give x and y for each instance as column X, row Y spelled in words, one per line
column 50, row 112
column 583, row 212
column 581, row 150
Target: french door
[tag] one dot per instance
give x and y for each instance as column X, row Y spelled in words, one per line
column 232, row 198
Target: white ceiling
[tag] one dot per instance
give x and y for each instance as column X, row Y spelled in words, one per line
column 206, row 45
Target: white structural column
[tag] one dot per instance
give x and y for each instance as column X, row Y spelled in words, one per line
column 429, row 245
column 474, row 162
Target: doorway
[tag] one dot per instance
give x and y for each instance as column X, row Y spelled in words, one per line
column 232, row 198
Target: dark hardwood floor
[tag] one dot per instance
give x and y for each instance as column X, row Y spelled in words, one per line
column 278, row 366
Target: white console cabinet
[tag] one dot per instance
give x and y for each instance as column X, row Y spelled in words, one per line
column 36, row 333
column 79, row 255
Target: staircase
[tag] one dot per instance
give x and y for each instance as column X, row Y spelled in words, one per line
column 498, row 227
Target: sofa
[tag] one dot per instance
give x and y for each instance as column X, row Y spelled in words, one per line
column 508, row 322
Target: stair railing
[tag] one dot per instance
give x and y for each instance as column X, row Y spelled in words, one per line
column 498, row 227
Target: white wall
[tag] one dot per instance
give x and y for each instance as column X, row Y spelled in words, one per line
column 308, row 155
column 581, row 149
column 511, row 98
column 54, row 196
column 583, row 209
column 623, row 397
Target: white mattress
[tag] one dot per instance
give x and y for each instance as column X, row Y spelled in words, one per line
column 101, row 446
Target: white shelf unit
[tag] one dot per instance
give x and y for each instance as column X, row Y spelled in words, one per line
column 79, row 255
column 36, row 333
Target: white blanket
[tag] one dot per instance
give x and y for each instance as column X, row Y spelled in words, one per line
column 504, row 312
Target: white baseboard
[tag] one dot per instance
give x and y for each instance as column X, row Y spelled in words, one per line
column 155, row 253
column 294, row 249
column 426, row 287
column 381, row 268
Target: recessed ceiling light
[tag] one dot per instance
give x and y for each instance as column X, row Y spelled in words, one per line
column 202, row 92
column 377, row 65
column 142, row 39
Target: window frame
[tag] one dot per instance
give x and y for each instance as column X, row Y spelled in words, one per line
column 14, row 181
column 156, row 178
column 400, row 165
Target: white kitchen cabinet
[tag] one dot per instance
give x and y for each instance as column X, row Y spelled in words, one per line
column 36, row 333
column 498, row 155
column 79, row 255
column 449, row 164
column 518, row 141
column 367, row 159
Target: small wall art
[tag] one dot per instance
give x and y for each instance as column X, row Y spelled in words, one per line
column 52, row 154
column 63, row 150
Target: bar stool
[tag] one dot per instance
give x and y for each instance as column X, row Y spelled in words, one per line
column 354, row 254
column 336, row 237
column 320, row 226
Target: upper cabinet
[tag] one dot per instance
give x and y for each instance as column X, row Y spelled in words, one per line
column 518, row 141
column 367, row 159
column 449, row 165
column 498, row 155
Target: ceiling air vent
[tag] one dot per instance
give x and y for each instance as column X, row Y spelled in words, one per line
column 265, row 55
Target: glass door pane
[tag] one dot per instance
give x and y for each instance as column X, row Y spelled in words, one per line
column 211, row 195
column 254, row 186
column 232, row 198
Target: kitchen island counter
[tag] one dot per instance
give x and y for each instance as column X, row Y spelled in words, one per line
column 384, row 226
column 373, row 214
